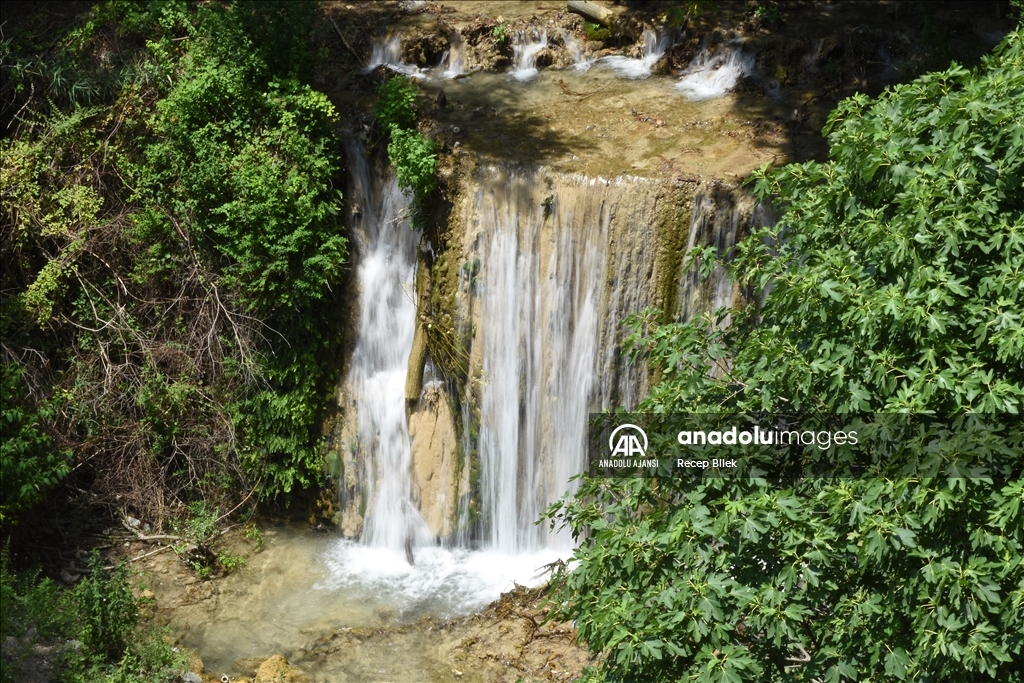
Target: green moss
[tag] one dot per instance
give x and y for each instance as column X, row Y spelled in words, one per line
column 671, row 250
column 596, row 31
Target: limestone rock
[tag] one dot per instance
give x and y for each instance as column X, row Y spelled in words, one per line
column 195, row 662
column 278, row 670
column 434, row 445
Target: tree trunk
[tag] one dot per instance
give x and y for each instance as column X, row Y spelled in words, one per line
column 592, row 11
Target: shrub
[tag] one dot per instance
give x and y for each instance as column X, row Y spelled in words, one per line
column 892, row 283
column 413, row 158
column 396, row 103
column 91, row 628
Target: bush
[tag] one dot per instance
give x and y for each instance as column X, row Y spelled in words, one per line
column 93, row 628
column 892, row 283
column 396, row 103
column 29, row 462
column 413, row 158
column 410, row 152
column 170, row 253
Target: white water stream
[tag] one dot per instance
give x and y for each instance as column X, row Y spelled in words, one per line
column 524, row 62
column 714, row 72
column 388, row 51
column 541, row 274
column 386, row 244
column 652, row 51
column 454, row 59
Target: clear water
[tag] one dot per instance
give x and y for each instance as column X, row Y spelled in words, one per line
column 303, row 586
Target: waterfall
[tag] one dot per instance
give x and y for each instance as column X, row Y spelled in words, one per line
column 455, row 59
column 386, row 245
column 548, row 332
column 580, row 62
column 551, row 266
column 525, row 50
column 713, row 73
column 653, row 50
column 388, row 51
column 546, row 268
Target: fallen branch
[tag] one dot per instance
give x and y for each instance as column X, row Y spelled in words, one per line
column 343, row 41
column 592, row 11
column 258, row 482
column 142, row 537
column 150, row 553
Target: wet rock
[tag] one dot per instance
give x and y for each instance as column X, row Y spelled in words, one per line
column 191, row 677
column 195, row 662
column 545, row 58
column 426, row 50
column 278, row 670
column 248, row 665
column 660, row 67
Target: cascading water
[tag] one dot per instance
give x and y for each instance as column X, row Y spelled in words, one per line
column 539, row 331
column 547, row 333
column 455, row 59
column 713, row 73
column 376, row 381
column 652, row 51
column 553, row 264
column 525, row 50
column 580, row 61
column 388, row 51
column 719, row 218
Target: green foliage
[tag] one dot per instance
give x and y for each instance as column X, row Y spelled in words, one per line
column 105, row 609
column 92, row 628
column 892, row 283
column 29, row 462
column 412, row 155
column 767, row 13
column 171, row 247
column 199, row 526
column 500, row 34
column 396, row 103
column 595, row 31
column 253, row 533
column 230, row 562
column 678, row 16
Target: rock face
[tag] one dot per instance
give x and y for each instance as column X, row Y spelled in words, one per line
column 278, row 670
column 434, row 456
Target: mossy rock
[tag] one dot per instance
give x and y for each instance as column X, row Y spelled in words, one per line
column 278, row 670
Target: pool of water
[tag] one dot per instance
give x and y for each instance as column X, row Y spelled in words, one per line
column 303, row 586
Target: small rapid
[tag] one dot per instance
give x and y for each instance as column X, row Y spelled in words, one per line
column 715, row 72
column 443, row 582
column 652, row 52
column 527, row 46
column 388, row 52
